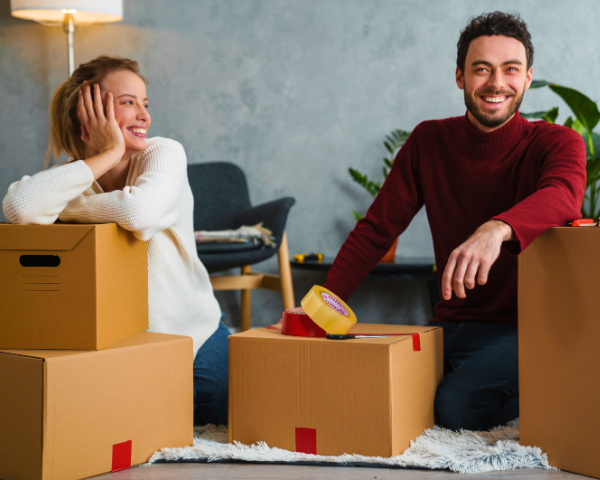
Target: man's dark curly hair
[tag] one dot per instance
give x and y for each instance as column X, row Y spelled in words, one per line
column 496, row 23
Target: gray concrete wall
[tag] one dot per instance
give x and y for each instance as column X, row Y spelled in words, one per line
column 294, row 92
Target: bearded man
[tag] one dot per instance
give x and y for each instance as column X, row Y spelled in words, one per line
column 491, row 182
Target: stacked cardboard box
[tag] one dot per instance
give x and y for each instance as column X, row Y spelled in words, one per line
column 80, row 287
column 559, row 359
column 96, row 393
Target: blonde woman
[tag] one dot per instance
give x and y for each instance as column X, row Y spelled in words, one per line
column 99, row 118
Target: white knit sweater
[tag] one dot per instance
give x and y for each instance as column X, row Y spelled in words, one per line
column 157, row 206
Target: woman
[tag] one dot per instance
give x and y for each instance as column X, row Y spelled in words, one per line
column 99, row 117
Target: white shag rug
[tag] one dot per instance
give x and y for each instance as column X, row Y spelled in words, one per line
column 437, row 449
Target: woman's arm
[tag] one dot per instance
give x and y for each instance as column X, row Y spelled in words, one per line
column 151, row 204
column 38, row 199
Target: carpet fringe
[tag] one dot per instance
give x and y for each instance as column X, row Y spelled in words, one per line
column 438, row 448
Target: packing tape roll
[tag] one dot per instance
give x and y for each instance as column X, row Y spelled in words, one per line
column 328, row 311
column 300, row 325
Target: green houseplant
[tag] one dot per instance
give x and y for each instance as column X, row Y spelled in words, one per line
column 586, row 118
column 392, row 144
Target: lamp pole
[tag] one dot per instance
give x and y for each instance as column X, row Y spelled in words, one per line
column 69, row 29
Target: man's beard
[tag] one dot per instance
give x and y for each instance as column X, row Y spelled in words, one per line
column 492, row 121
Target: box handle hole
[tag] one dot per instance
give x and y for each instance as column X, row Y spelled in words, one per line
column 39, row 260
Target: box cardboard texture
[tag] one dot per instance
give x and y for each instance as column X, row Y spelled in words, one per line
column 559, row 358
column 61, row 412
column 96, row 296
column 360, row 396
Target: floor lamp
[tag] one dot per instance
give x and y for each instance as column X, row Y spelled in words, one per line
column 68, row 13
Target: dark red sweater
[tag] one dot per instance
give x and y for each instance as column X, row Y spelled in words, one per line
column 530, row 175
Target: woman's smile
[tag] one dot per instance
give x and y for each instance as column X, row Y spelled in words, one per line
column 138, row 131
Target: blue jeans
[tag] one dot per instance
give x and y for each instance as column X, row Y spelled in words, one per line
column 211, row 379
column 480, row 388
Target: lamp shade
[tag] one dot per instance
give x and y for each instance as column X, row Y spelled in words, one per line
column 53, row 11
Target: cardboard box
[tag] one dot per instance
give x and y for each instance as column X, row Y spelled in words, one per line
column 330, row 397
column 559, row 358
column 69, row 415
column 80, row 287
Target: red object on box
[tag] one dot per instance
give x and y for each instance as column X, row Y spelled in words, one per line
column 306, row 440
column 416, row 342
column 121, row 458
column 300, row 325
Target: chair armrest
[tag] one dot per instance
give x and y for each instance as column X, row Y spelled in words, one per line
column 273, row 216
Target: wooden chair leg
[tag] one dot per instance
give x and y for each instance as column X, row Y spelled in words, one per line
column 285, row 274
column 245, row 304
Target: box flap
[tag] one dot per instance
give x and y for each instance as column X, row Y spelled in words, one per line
column 42, row 237
column 140, row 340
column 359, row 328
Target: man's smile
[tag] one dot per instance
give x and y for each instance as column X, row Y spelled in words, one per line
column 495, row 100
column 498, row 99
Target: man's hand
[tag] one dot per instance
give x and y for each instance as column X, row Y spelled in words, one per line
column 477, row 254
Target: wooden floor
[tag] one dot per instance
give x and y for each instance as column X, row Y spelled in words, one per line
column 188, row 471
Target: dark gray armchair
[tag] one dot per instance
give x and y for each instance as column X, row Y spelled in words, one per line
column 221, row 201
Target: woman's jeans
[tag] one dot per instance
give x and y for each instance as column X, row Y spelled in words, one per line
column 480, row 388
column 211, row 379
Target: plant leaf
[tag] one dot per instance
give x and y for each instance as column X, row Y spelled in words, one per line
column 579, row 128
column 539, row 84
column 393, row 142
column 569, row 122
column 593, row 171
column 584, row 109
column 359, row 178
column 542, row 115
column 551, row 115
column 534, row 114
column 595, row 144
column 402, row 136
column 357, row 215
column 372, row 188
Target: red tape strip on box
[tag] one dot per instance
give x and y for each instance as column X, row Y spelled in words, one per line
column 306, row 440
column 416, row 342
column 121, row 457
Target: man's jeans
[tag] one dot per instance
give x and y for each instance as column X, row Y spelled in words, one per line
column 211, row 377
column 480, row 388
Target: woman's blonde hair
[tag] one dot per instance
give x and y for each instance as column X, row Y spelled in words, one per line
column 65, row 127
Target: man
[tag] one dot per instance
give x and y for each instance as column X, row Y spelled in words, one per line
column 491, row 182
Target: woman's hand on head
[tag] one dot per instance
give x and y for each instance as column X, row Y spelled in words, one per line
column 99, row 129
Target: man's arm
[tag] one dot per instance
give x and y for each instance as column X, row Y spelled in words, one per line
column 392, row 210
column 557, row 199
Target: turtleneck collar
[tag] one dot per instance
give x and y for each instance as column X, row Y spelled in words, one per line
column 495, row 142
